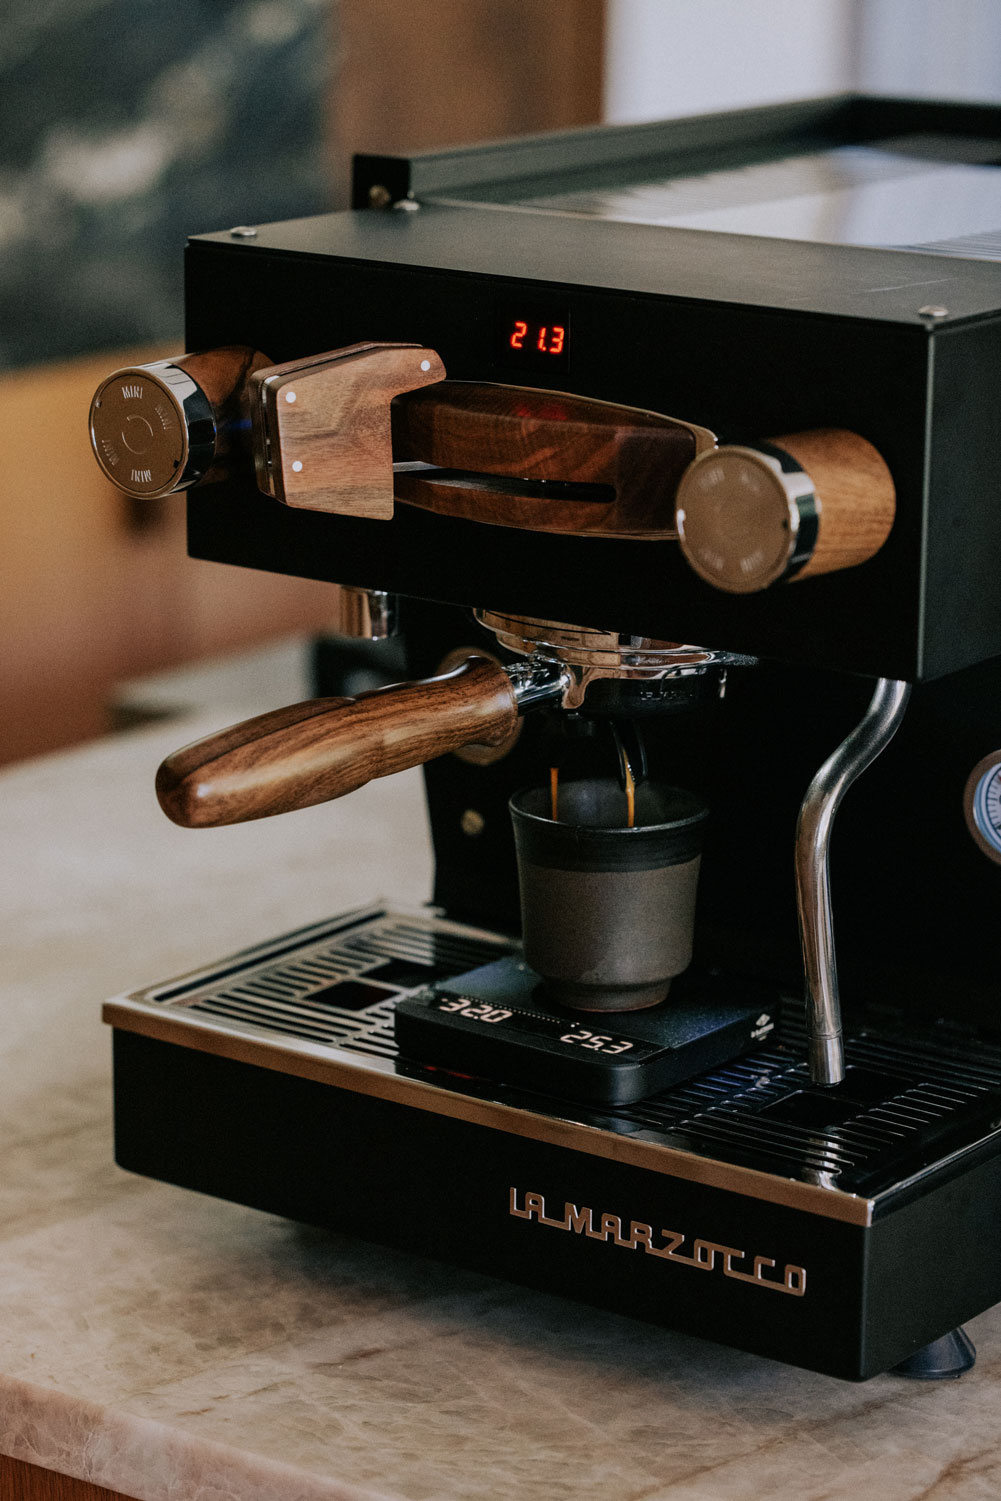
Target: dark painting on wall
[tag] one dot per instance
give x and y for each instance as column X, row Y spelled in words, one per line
column 125, row 126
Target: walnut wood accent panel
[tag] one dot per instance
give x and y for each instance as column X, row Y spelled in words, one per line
column 328, row 421
column 857, row 496
column 418, row 73
column 309, row 753
column 635, row 457
column 20, row 1481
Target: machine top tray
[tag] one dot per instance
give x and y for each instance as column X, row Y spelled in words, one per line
column 923, row 192
column 852, row 170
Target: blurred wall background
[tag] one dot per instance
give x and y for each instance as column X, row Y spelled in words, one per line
column 925, row 48
column 682, row 57
column 126, row 125
column 687, row 57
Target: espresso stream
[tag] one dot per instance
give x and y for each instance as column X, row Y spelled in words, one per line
column 630, row 790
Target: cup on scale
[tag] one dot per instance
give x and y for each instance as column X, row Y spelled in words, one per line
column 607, row 909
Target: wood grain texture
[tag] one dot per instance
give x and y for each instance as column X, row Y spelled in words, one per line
column 747, row 519
column 309, row 753
column 421, row 73
column 328, row 422
column 20, row 1481
column 539, row 435
column 857, row 496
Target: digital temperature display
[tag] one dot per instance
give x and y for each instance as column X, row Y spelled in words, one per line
column 534, row 337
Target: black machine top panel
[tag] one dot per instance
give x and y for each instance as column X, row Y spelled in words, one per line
column 850, row 171
column 883, row 285
column 748, row 334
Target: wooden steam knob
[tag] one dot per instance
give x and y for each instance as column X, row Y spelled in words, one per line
column 311, row 752
column 163, row 427
column 788, row 508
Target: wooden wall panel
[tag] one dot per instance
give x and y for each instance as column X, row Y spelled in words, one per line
column 97, row 588
column 20, row 1481
column 417, row 73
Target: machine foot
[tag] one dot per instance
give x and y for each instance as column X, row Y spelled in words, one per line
column 944, row 1359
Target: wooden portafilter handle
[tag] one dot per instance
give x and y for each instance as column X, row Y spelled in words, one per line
column 312, row 752
column 785, row 509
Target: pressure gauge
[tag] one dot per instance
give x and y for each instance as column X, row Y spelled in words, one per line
column 982, row 805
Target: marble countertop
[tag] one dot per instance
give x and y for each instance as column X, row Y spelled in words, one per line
column 174, row 1347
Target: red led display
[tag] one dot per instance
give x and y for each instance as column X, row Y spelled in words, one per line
column 537, row 338
column 547, row 338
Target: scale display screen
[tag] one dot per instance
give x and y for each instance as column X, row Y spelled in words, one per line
column 496, row 1023
column 594, row 1039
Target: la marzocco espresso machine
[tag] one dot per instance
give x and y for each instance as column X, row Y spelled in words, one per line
column 673, row 452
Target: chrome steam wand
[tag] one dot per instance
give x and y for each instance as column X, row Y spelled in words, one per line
column 813, row 887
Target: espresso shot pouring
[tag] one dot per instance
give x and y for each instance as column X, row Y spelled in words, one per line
column 686, row 515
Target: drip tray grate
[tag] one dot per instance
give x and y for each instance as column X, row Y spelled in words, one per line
column 337, row 986
column 906, row 1103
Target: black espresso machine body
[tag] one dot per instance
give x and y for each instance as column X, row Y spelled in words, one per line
column 870, row 1209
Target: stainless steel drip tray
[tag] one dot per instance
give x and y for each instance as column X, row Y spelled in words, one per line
column 318, row 1003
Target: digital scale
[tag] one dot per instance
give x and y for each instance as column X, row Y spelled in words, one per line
column 495, row 1023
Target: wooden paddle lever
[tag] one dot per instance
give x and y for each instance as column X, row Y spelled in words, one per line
column 348, row 431
column 311, row 752
column 322, row 434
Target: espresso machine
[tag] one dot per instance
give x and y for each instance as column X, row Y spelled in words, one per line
column 668, row 454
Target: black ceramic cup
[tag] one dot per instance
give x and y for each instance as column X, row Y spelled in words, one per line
column 607, row 910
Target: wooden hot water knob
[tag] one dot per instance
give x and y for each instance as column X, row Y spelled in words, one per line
column 311, row 752
column 789, row 508
column 159, row 428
